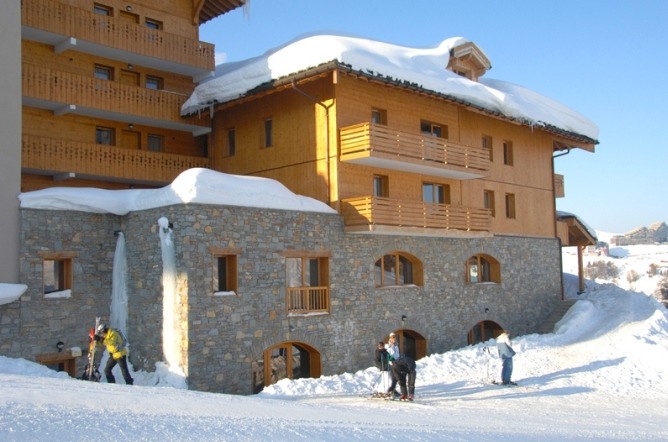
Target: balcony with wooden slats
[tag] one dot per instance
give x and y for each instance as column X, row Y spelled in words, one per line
column 64, row 92
column 50, row 156
column 376, row 145
column 69, row 27
column 369, row 213
column 302, row 300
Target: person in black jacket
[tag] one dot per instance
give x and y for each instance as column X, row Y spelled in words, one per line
column 403, row 370
column 381, row 357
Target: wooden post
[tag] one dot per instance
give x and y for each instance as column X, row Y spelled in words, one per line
column 581, row 283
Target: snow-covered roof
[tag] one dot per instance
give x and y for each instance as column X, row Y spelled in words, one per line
column 561, row 215
column 201, row 186
column 425, row 67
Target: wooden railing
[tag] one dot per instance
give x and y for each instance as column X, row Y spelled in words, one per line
column 307, row 299
column 375, row 140
column 67, row 88
column 56, row 155
column 369, row 210
column 71, row 21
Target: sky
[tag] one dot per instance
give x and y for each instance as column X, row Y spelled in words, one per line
column 601, row 58
column 600, row 376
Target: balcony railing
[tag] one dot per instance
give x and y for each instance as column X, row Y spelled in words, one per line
column 307, row 299
column 376, row 211
column 111, row 32
column 377, row 145
column 58, row 87
column 54, row 156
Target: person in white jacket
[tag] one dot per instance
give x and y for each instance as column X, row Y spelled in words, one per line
column 506, row 354
column 393, row 354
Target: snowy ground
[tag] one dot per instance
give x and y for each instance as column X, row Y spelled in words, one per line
column 602, row 376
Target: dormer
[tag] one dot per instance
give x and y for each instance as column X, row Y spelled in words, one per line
column 469, row 61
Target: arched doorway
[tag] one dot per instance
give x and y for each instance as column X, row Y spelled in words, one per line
column 484, row 331
column 292, row 360
column 411, row 343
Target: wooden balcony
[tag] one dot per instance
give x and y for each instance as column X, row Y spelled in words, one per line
column 303, row 300
column 64, row 92
column 69, row 27
column 368, row 213
column 57, row 157
column 378, row 146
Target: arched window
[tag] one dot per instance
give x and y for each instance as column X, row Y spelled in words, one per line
column 397, row 268
column 482, row 268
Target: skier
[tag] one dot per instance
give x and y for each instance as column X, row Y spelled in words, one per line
column 381, row 357
column 117, row 347
column 392, row 349
column 506, row 354
column 404, row 371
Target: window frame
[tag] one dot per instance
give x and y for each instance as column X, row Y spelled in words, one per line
column 508, row 154
column 150, row 138
column 381, row 273
column 63, row 265
column 159, row 82
column 381, row 186
column 103, row 72
column 487, row 269
column 104, row 10
column 378, row 116
column 228, row 257
column 489, row 201
column 511, row 210
column 268, row 133
column 111, row 136
column 154, row 24
column 488, row 144
column 442, row 195
column 437, row 130
column 304, row 294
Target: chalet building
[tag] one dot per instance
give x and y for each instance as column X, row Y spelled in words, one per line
column 441, row 223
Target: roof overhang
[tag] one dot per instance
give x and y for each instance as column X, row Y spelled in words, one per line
column 205, row 10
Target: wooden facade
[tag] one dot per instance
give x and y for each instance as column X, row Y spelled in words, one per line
column 102, row 88
column 335, row 133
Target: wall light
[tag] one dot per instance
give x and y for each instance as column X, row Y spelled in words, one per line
column 403, row 318
column 128, row 8
column 131, row 126
column 60, row 345
column 130, row 67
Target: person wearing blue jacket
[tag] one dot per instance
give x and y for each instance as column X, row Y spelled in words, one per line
column 506, row 354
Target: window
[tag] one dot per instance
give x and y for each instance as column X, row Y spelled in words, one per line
column 268, row 136
column 153, row 82
column 482, row 268
column 435, row 193
column 508, row 153
column 102, row 9
column 510, row 205
column 487, row 144
column 379, row 116
column 153, row 24
column 156, row 143
column 225, row 275
column 488, row 201
column 307, row 281
column 104, row 72
column 381, row 186
column 57, row 272
column 105, row 135
column 396, row 269
column 231, row 141
column 436, row 130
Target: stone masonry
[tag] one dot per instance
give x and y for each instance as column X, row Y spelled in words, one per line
column 220, row 336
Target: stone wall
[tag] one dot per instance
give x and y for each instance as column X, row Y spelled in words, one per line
column 220, row 336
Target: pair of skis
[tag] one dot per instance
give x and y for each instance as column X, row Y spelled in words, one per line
column 91, row 373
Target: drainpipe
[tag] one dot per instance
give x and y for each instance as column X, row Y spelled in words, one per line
column 327, row 144
column 561, row 262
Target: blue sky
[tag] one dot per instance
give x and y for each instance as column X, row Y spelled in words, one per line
column 605, row 59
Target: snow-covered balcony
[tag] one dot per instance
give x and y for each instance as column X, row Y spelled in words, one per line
column 370, row 213
column 376, row 145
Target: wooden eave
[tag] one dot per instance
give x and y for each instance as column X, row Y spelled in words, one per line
column 205, row 10
column 314, row 73
column 578, row 234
